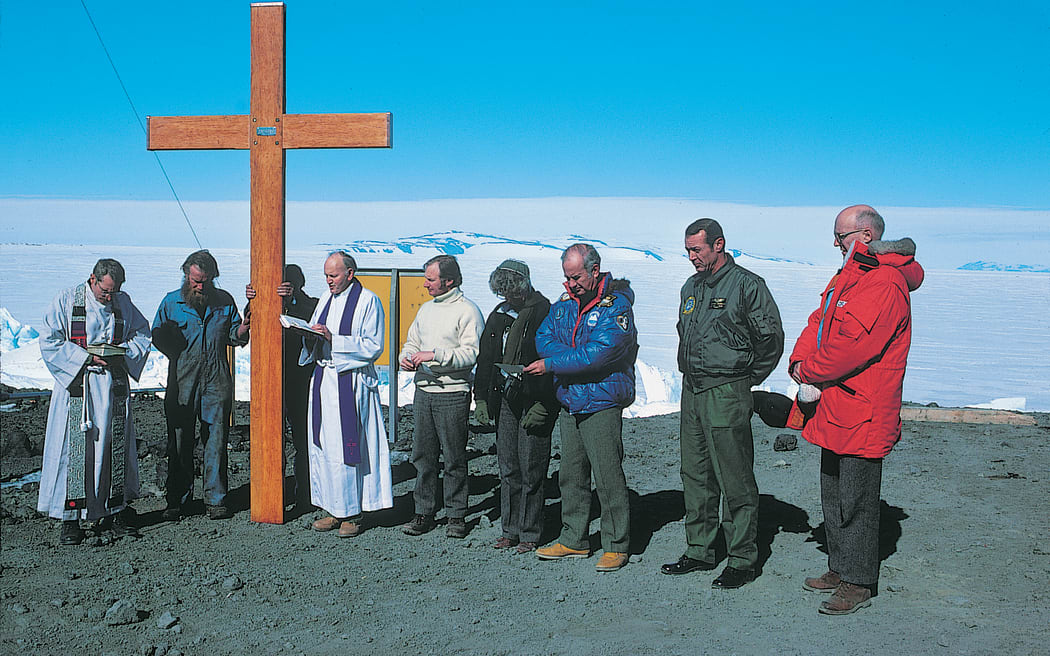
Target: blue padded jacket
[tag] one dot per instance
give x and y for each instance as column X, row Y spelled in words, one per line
column 592, row 349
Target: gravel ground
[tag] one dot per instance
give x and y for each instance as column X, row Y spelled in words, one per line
column 965, row 570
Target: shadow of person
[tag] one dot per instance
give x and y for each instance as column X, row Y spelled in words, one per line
column 890, row 518
column 651, row 512
column 239, row 498
column 551, row 489
column 775, row 516
column 551, row 523
column 401, row 512
column 480, row 485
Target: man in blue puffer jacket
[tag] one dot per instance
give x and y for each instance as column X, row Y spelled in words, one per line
column 589, row 341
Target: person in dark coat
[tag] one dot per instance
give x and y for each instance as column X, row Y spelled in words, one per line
column 524, row 408
column 295, row 302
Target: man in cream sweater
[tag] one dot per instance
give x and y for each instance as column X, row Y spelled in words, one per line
column 441, row 347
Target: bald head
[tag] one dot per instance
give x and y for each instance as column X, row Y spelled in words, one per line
column 339, row 271
column 857, row 223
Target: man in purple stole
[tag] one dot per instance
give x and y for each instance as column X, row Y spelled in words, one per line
column 348, row 453
column 94, row 340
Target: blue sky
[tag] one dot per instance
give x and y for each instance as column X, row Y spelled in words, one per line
column 904, row 104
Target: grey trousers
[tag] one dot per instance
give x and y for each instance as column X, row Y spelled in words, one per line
column 592, row 445
column 523, row 460
column 440, row 420
column 849, row 492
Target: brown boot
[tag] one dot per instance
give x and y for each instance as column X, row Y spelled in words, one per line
column 848, row 598
column 419, row 525
column 325, row 524
column 350, row 529
column 826, row 582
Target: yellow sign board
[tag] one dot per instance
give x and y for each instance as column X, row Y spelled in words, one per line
column 410, row 296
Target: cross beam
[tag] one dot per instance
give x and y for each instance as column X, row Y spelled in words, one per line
column 267, row 132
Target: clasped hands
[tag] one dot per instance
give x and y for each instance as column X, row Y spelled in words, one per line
column 412, row 362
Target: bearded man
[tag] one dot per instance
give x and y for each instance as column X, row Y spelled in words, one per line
column 193, row 326
column 95, row 339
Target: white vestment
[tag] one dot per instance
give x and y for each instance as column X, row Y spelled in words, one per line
column 66, row 361
column 347, row 490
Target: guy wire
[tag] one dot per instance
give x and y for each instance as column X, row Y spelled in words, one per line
column 156, row 156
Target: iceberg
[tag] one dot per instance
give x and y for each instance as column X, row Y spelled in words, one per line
column 13, row 333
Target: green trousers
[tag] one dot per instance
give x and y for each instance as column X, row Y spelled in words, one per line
column 592, row 445
column 718, row 455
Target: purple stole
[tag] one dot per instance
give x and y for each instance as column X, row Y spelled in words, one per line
column 351, row 426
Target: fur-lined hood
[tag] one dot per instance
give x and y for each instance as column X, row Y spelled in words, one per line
column 900, row 254
column 902, row 246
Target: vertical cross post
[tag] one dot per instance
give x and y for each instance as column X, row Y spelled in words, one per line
column 267, row 132
column 267, row 262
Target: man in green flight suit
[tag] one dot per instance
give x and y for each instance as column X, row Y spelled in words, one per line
column 730, row 338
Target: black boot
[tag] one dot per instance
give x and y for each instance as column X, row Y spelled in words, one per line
column 124, row 524
column 71, row 532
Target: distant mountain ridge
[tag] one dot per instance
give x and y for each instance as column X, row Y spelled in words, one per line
column 981, row 265
column 456, row 242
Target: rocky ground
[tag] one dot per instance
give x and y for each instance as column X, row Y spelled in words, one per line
column 965, row 570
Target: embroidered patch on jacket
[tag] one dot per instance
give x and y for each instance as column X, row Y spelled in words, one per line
column 623, row 322
column 592, row 319
column 564, row 297
column 841, row 304
column 718, row 303
column 606, row 302
column 690, row 305
column 559, row 313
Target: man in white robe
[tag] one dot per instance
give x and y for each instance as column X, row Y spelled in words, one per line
column 90, row 468
column 348, row 453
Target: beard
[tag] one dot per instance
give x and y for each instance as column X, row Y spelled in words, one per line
column 198, row 300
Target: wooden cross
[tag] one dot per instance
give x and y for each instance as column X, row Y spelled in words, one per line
column 267, row 132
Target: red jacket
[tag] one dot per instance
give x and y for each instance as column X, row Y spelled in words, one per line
column 855, row 348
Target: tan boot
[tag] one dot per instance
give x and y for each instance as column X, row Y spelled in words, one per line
column 847, row 598
column 557, row 551
column 611, row 561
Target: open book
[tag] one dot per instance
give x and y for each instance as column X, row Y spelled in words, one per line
column 511, row 369
column 296, row 323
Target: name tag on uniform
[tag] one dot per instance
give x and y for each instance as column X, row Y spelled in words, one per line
column 717, row 304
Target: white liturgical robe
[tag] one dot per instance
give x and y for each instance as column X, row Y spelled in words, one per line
column 345, row 490
column 101, row 436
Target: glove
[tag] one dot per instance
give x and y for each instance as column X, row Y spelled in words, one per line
column 481, row 413
column 534, row 417
column 808, row 393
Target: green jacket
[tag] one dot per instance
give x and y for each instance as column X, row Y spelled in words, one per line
column 728, row 328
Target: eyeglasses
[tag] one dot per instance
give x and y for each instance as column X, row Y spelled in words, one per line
column 107, row 293
column 839, row 236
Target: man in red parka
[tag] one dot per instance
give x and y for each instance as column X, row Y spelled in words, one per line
column 853, row 351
